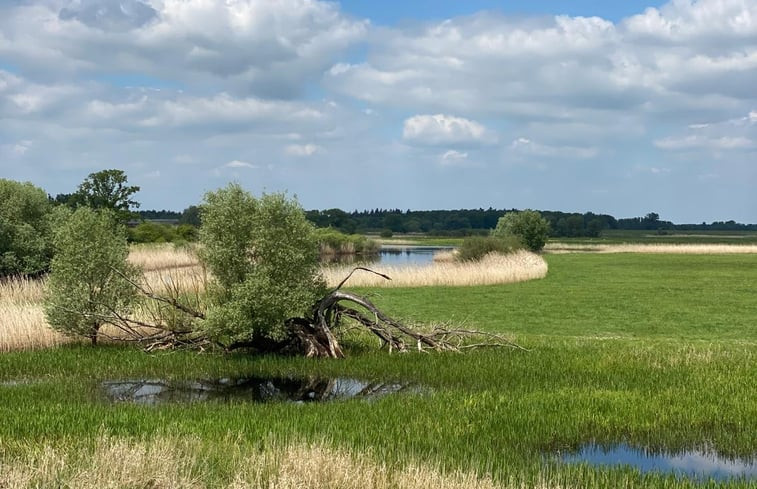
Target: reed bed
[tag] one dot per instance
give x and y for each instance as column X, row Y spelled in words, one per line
column 23, row 327
column 689, row 249
column 162, row 256
column 492, row 269
column 182, row 462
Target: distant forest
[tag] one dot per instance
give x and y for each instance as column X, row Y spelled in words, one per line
column 466, row 222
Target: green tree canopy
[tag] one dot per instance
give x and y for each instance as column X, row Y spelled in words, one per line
column 264, row 255
column 85, row 286
column 107, row 189
column 25, row 237
column 528, row 225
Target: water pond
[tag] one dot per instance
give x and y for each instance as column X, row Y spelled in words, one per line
column 692, row 464
column 247, row 389
column 395, row 255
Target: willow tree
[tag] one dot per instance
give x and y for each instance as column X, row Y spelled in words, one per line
column 91, row 282
column 267, row 292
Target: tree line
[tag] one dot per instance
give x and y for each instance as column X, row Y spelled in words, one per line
column 466, row 222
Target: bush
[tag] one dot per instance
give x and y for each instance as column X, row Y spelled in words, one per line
column 84, row 288
column 476, row 247
column 528, row 226
column 331, row 241
column 264, row 255
column 25, row 231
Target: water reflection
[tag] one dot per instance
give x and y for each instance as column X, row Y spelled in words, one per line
column 391, row 255
column 248, row 389
column 693, row 464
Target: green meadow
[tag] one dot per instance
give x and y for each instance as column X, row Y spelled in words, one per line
column 655, row 351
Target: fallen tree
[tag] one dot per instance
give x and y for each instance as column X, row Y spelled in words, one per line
column 267, row 293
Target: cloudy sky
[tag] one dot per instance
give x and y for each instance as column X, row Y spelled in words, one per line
column 616, row 107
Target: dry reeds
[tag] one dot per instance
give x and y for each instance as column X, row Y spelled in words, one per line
column 692, row 249
column 492, row 269
column 179, row 462
column 162, row 256
column 22, row 320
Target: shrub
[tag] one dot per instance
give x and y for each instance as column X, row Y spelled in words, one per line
column 84, row 288
column 332, row 241
column 475, row 248
column 265, row 257
column 25, row 235
column 528, row 226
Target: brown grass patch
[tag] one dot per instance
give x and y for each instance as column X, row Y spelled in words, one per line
column 492, row 269
column 161, row 256
column 181, row 463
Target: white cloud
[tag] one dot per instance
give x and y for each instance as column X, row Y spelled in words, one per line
column 302, row 149
column 443, row 129
column 704, row 142
column 452, row 158
column 255, row 46
column 527, row 147
column 239, row 164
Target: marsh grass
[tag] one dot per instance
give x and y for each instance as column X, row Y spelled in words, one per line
column 183, row 463
column 492, row 269
column 151, row 257
column 22, row 321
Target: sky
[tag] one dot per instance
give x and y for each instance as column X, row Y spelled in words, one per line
column 622, row 108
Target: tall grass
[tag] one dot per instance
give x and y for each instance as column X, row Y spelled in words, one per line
column 22, row 321
column 183, row 463
column 492, row 269
column 161, row 256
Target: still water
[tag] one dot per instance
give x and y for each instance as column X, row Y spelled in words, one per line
column 247, row 389
column 394, row 255
column 693, row 464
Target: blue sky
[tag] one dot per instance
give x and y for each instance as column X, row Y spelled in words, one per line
column 614, row 107
column 392, row 12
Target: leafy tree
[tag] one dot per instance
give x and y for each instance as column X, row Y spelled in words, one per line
column 85, row 287
column 528, row 225
column 264, row 255
column 107, row 189
column 191, row 216
column 25, row 237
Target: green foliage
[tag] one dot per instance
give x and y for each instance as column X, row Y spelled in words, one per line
column 386, row 233
column 191, row 216
column 331, row 240
column 265, row 256
column 153, row 232
column 476, row 247
column 107, row 189
column 527, row 225
column 25, row 236
column 84, row 287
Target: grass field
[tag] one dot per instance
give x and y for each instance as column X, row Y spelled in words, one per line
column 655, row 350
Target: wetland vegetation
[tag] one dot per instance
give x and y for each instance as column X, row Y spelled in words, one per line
column 654, row 351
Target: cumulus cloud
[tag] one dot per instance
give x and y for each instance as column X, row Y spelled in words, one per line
column 239, row 164
column 440, row 129
column 302, row 149
column 527, row 147
column 730, row 135
column 453, row 157
column 252, row 46
column 571, row 69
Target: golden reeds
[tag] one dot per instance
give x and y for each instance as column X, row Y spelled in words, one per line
column 22, row 321
column 158, row 257
column 492, row 269
column 180, row 462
